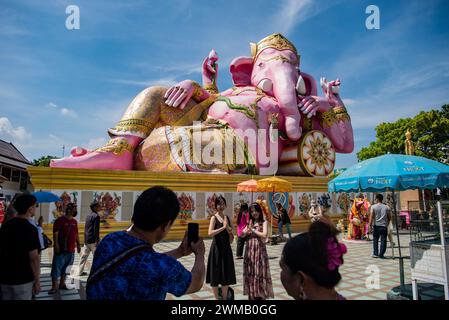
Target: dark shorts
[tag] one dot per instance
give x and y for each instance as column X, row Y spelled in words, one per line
column 60, row 263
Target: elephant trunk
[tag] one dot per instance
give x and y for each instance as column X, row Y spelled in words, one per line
column 284, row 89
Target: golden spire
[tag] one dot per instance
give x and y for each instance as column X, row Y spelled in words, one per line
column 409, row 146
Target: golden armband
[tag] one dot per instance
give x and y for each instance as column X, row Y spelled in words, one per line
column 211, row 88
column 197, row 92
column 327, row 119
column 341, row 114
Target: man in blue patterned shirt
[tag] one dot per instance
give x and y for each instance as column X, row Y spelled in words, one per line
column 145, row 274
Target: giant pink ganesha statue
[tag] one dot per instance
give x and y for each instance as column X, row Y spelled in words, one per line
column 271, row 121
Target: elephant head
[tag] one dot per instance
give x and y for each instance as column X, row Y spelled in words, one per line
column 274, row 68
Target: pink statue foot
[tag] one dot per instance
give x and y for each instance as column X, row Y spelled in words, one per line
column 78, row 151
column 118, row 154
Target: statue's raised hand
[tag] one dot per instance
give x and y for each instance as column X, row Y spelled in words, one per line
column 331, row 90
column 210, row 68
column 180, row 94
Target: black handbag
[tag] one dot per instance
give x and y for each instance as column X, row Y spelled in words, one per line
column 47, row 242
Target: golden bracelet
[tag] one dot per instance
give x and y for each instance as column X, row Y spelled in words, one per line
column 328, row 118
column 197, row 92
column 211, row 88
column 341, row 113
column 339, row 109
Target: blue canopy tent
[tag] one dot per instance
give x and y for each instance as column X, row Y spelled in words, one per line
column 396, row 172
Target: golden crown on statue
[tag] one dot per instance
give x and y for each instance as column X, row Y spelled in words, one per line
column 277, row 41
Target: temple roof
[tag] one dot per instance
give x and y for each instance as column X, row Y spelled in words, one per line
column 10, row 155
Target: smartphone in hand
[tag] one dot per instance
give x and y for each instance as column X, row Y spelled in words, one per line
column 192, row 232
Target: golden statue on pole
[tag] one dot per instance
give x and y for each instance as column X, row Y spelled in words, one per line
column 409, row 145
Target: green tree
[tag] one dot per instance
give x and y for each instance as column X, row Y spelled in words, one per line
column 430, row 134
column 43, row 161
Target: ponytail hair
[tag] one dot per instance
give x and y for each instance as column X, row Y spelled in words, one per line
column 317, row 253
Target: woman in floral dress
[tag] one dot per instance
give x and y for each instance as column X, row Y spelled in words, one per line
column 256, row 268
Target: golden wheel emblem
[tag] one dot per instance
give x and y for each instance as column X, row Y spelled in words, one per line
column 317, row 154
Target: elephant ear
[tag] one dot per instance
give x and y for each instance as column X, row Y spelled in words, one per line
column 311, row 89
column 241, row 69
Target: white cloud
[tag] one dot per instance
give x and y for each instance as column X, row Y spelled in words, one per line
column 68, row 113
column 166, row 82
column 54, row 137
column 186, row 68
column 350, row 102
column 95, row 143
column 294, row 12
column 13, row 31
column 18, row 133
column 65, row 112
column 51, row 105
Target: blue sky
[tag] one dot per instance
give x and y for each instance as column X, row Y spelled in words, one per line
column 66, row 87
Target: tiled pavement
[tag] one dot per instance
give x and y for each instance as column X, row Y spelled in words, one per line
column 356, row 272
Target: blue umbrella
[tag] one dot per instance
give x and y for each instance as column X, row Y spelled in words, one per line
column 43, row 196
column 394, row 172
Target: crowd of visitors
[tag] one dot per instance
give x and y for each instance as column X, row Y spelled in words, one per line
column 126, row 266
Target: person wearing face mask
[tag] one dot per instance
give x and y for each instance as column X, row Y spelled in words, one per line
column 220, row 263
column 66, row 240
column 310, row 263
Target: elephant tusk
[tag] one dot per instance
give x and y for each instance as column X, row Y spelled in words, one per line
column 301, row 86
column 266, row 85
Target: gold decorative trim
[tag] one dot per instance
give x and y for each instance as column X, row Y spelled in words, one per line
column 281, row 58
column 117, row 146
column 133, row 125
column 277, row 41
column 328, row 118
column 92, row 179
column 211, row 88
column 339, row 109
column 307, row 124
column 341, row 114
column 197, row 92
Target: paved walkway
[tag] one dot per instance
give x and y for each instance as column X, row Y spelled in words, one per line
column 359, row 274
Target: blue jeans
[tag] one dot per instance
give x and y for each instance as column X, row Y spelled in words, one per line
column 287, row 226
column 381, row 232
column 60, row 263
